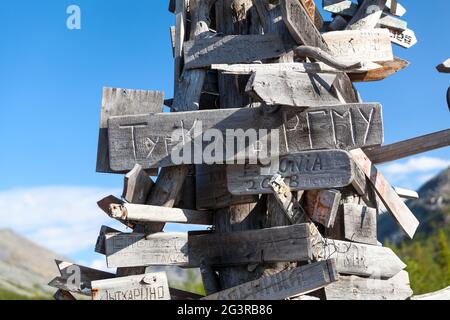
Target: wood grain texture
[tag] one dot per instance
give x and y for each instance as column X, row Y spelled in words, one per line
column 313, row 12
column 280, row 244
column 367, row 15
column 322, row 206
column 360, row 224
column 188, row 90
column 134, row 139
column 357, row 288
column 135, row 250
column 295, row 282
column 294, row 89
column 146, row 213
column 392, row 22
column 100, row 244
column 340, row 7
column 300, row 24
column 212, row 189
column 137, row 186
column 306, row 67
column 120, row 102
column 398, row 209
column 387, row 69
column 231, row 49
column 410, row 147
column 363, row 260
column 150, row 286
column 353, row 46
column 301, row 171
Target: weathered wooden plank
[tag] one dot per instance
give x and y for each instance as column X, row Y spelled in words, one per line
column 210, row 278
column 302, row 171
column 100, row 244
column 367, row 16
column 177, row 294
column 212, row 189
column 353, row 46
column 63, row 295
column 386, row 69
column 286, row 200
column 357, row 288
column 406, row 38
column 444, row 67
column 294, row 89
column 180, row 33
column 300, row 25
column 313, row 12
column 407, row 148
column 311, row 67
column 392, row 22
column 398, row 209
column 231, row 49
column 443, row 294
column 406, row 194
column 120, row 102
column 340, row 7
column 395, row 8
column 322, row 206
column 172, row 6
column 76, row 278
column 188, row 90
column 295, row 282
column 134, row 250
column 150, row 286
column 363, row 260
column 283, row 244
column 360, row 224
column 104, row 205
column 280, row 244
column 137, row 186
column 146, row 213
column 157, row 140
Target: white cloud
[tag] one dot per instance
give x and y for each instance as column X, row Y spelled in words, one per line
column 414, row 172
column 63, row 219
column 419, row 164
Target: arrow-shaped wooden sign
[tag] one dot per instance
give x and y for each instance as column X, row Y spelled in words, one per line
column 150, row 286
column 363, row 260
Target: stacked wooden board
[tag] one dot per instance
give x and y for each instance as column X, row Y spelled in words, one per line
column 300, row 222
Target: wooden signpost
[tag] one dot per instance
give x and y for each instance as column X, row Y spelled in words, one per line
column 133, row 139
column 302, row 171
column 444, row 67
column 363, row 260
column 150, row 286
column 268, row 143
column 353, row 46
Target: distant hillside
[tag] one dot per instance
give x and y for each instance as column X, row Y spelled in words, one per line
column 428, row 254
column 431, row 209
column 25, row 268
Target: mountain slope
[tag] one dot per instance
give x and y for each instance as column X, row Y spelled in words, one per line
column 431, row 209
column 25, row 268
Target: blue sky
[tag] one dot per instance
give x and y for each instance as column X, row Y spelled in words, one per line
column 51, row 80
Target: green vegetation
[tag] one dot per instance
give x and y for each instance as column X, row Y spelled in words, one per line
column 8, row 295
column 428, row 259
column 192, row 284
